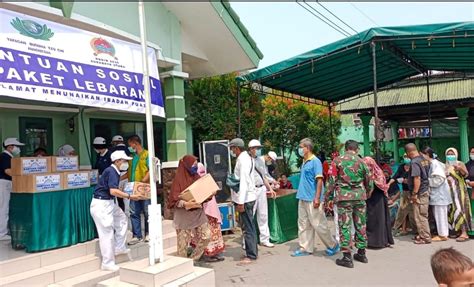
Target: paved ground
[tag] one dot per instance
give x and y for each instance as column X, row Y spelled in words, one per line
column 404, row 264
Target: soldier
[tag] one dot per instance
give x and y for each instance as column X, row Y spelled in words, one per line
column 349, row 180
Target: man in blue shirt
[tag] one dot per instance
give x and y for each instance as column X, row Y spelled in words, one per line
column 109, row 219
column 103, row 154
column 311, row 217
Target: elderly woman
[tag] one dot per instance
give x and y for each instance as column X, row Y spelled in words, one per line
column 189, row 219
column 379, row 226
column 460, row 210
column 66, row 150
column 440, row 194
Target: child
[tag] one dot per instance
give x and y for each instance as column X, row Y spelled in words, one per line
column 452, row 268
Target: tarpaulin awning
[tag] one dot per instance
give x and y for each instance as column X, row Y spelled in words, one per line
column 344, row 68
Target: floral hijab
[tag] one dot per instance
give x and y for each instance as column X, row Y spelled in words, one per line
column 377, row 175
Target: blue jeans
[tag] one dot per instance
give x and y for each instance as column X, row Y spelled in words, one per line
column 249, row 230
column 136, row 209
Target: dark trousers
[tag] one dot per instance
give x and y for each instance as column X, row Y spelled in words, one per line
column 249, row 230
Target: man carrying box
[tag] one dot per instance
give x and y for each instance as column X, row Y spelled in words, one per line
column 109, row 219
column 138, row 171
column 11, row 149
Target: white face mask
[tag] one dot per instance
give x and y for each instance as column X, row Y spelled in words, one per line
column 232, row 154
column 97, row 151
column 16, row 151
column 471, row 156
column 124, row 166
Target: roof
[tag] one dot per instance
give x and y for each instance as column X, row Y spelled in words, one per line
column 242, row 28
column 412, row 95
column 344, row 68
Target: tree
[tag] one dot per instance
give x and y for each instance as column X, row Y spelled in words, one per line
column 214, row 109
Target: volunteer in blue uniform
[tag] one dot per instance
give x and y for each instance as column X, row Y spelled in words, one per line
column 109, row 219
column 103, row 154
column 119, row 144
column 11, row 149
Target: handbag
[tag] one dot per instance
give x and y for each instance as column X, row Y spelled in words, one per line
column 233, row 182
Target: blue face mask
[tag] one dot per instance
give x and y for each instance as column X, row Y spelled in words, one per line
column 301, row 152
column 259, row 152
column 406, row 161
column 451, row 158
column 193, row 170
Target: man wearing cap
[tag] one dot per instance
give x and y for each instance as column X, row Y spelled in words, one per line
column 103, row 154
column 262, row 184
column 11, row 148
column 109, row 219
column 245, row 198
column 119, row 144
column 270, row 159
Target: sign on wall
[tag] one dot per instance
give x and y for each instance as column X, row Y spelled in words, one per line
column 46, row 61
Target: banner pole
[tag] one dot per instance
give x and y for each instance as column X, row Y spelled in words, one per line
column 154, row 209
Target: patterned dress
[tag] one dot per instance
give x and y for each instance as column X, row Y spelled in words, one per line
column 460, row 210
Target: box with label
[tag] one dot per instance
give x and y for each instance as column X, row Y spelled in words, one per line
column 138, row 188
column 93, row 176
column 76, row 179
column 200, row 190
column 30, row 165
column 37, row 183
column 64, row 163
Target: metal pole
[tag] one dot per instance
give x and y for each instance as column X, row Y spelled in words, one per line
column 429, row 103
column 238, row 110
column 376, row 109
column 330, row 128
column 154, row 210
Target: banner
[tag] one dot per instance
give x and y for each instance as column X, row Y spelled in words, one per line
column 46, row 61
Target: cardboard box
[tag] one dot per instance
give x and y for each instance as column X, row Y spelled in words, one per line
column 93, row 175
column 30, row 165
column 64, row 163
column 200, row 190
column 76, row 179
column 37, row 183
column 138, row 188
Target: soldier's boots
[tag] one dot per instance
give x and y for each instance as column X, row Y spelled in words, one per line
column 360, row 256
column 345, row 261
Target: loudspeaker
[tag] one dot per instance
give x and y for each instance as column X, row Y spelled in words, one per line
column 215, row 155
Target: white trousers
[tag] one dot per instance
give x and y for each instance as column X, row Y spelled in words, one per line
column 261, row 210
column 312, row 221
column 5, row 190
column 440, row 213
column 111, row 225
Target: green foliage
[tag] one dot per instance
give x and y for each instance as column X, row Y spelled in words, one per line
column 214, row 109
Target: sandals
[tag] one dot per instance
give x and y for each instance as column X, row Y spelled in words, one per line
column 462, row 239
column 439, row 238
column 421, row 242
column 245, row 261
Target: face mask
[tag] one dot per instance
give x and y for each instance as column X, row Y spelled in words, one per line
column 232, row 154
column 16, row 151
column 406, row 161
column 124, row 166
column 268, row 163
column 193, row 170
column 97, row 151
column 131, row 149
column 301, row 152
column 471, row 156
column 451, row 158
column 259, row 152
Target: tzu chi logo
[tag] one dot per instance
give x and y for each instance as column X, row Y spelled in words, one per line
column 32, row 29
column 102, row 46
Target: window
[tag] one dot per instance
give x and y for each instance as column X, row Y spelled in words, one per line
column 35, row 133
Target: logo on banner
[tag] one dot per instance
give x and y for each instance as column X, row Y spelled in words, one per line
column 102, row 46
column 32, row 29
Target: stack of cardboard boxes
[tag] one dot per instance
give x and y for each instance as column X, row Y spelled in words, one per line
column 42, row 174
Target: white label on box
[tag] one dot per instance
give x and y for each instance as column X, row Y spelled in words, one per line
column 34, row 165
column 128, row 188
column 78, row 180
column 48, row 182
column 66, row 163
column 94, row 176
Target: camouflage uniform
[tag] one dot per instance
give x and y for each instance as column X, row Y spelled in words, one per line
column 349, row 182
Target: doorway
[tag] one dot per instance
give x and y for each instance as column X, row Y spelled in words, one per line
column 36, row 133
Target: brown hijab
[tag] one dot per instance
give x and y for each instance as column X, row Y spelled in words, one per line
column 182, row 179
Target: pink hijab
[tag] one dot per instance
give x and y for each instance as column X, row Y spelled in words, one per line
column 377, row 175
column 210, row 208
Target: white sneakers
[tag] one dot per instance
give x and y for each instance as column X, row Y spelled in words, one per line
column 134, row 241
column 113, row 268
column 267, row 244
column 125, row 252
column 147, row 238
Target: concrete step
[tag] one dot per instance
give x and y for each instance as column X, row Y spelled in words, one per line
column 86, row 279
column 200, row 277
column 53, row 273
column 115, row 282
column 140, row 273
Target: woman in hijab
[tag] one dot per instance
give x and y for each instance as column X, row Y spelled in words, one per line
column 66, row 150
column 440, row 195
column 379, row 227
column 460, row 210
column 216, row 246
column 189, row 217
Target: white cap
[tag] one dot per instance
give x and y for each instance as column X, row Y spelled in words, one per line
column 272, row 155
column 255, row 143
column 12, row 141
column 99, row 140
column 119, row 154
column 117, row 138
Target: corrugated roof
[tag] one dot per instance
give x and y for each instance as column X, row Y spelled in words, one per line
column 412, row 95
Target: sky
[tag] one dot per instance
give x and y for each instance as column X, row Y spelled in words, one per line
column 285, row 29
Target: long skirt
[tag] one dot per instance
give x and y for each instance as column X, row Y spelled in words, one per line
column 200, row 235
column 379, row 231
column 216, row 245
column 460, row 210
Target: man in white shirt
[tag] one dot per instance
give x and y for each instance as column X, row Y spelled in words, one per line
column 245, row 198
